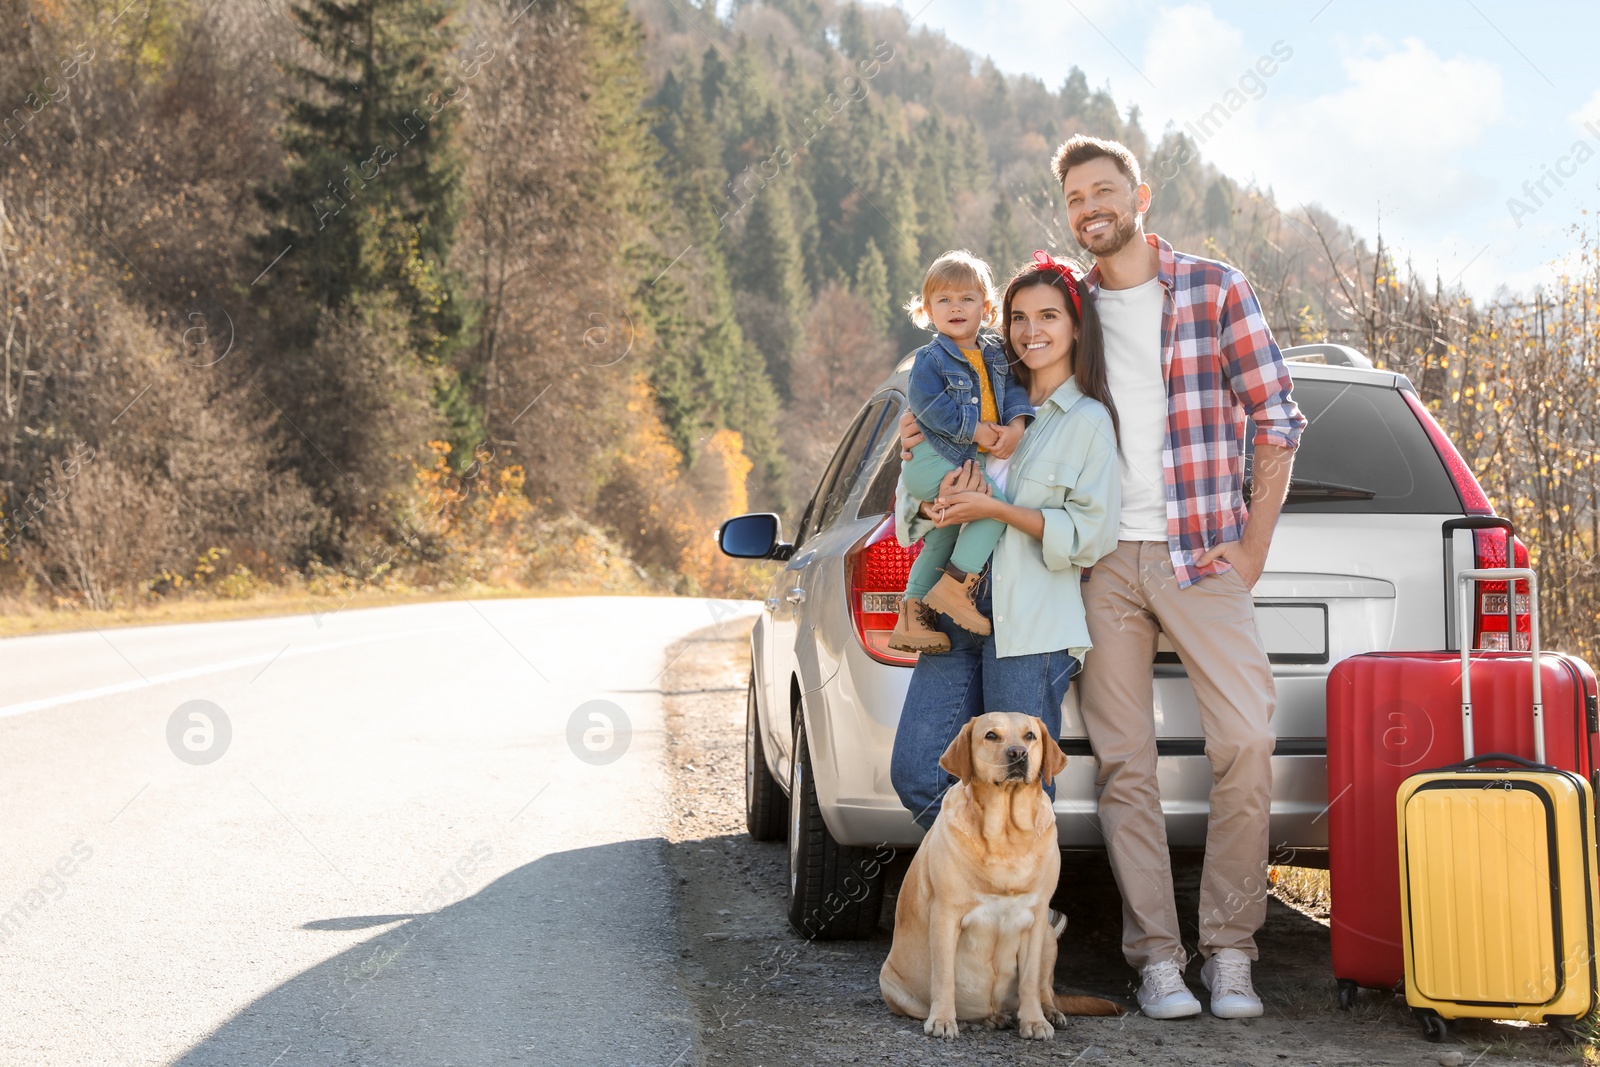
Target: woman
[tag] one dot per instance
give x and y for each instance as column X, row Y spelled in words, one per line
column 1063, row 486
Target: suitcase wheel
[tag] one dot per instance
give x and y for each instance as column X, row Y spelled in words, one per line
column 1565, row 1025
column 1434, row 1027
column 1347, row 994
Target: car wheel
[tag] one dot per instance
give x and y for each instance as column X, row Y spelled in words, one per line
column 835, row 891
column 766, row 809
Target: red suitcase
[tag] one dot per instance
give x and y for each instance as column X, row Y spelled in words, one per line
column 1392, row 714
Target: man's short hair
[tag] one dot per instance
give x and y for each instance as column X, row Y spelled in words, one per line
column 1081, row 148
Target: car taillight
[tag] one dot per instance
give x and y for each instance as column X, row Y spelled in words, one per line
column 1473, row 500
column 1498, row 624
column 876, row 571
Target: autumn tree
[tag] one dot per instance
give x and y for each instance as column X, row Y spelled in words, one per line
column 842, row 358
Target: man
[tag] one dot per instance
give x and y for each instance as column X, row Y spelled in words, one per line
column 1189, row 360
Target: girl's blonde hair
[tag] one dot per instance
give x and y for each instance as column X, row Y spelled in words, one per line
column 958, row 269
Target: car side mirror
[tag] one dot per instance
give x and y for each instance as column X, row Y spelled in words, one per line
column 754, row 536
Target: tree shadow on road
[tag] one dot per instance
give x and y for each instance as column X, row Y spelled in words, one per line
column 569, row 959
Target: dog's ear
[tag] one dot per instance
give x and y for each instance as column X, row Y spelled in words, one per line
column 957, row 759
column 1055, row 760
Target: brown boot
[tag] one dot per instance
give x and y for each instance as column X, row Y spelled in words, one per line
column 914, row 632
column 955, row 599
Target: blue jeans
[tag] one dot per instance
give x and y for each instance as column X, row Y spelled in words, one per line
column 952, row 687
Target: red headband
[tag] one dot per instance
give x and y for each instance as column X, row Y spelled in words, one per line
column 1045, row 261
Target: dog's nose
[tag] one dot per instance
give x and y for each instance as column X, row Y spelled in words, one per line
column 1016, row 754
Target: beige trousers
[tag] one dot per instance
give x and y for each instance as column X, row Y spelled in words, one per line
column 1131, row 596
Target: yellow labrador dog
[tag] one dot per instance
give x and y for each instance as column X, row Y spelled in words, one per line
column 972, row 933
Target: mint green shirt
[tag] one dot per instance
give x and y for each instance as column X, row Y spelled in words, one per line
column 1066, row 468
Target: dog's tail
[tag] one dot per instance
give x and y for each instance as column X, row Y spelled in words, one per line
column 1087, row 1006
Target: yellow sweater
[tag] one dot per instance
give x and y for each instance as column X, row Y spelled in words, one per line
column 988, row 410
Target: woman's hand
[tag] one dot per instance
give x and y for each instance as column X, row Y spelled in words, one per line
column 967, row 478
column 964, row 479
column 959, row 508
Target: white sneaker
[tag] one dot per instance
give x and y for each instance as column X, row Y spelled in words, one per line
column 1227, row 976
column 1162, row 994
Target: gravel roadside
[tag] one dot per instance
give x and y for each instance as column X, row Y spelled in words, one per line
column 764, row 997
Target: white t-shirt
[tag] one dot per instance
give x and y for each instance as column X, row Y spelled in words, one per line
column 996, row 470
column 1131, row 321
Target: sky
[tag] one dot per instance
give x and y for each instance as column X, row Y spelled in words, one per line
column 1427, row 116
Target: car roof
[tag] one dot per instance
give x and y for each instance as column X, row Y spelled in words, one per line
column 1361, row 375
column 1304, row 361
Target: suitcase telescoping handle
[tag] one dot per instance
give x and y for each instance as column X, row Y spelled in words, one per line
column 1509, row 575
column 1452, row 591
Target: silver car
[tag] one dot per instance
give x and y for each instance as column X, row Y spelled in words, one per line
column 1382, row 510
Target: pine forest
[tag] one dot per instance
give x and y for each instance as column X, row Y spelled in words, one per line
column 318, row 299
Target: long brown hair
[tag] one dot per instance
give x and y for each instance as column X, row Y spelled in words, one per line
column 1088, row 353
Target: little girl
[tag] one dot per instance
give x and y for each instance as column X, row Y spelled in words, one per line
column 966, row 403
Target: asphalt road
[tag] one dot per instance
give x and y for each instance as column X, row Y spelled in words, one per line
column 393, row 836
column 496, row 833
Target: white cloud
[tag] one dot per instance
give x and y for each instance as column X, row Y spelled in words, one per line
column 1414, row 96
column 1191, row 55
column 1396, row 137
column 1395, row 132
column 1589, row 112
column 1569, row 263
column 990, row 28
column 1368, row 126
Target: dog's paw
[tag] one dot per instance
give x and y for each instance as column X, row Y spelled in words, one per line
column 945, row 1028
column 1056, row 1018
column 999, row 1020
column 1036, row 1030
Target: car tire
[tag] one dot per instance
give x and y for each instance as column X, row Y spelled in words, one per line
column 835, row 891
column 766, row 809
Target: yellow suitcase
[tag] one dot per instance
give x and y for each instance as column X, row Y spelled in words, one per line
column 1498, row 879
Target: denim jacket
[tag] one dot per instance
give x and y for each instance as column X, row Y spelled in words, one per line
column 946, row 400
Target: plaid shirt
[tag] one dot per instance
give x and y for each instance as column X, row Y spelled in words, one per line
column 1222, row 367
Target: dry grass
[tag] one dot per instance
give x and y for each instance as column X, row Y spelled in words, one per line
column 19, row 617
column 1304, row 888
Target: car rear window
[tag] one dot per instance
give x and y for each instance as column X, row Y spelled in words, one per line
column 879, row 497
column 852, row 461
column 1365, row 437
column 1360, row 437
